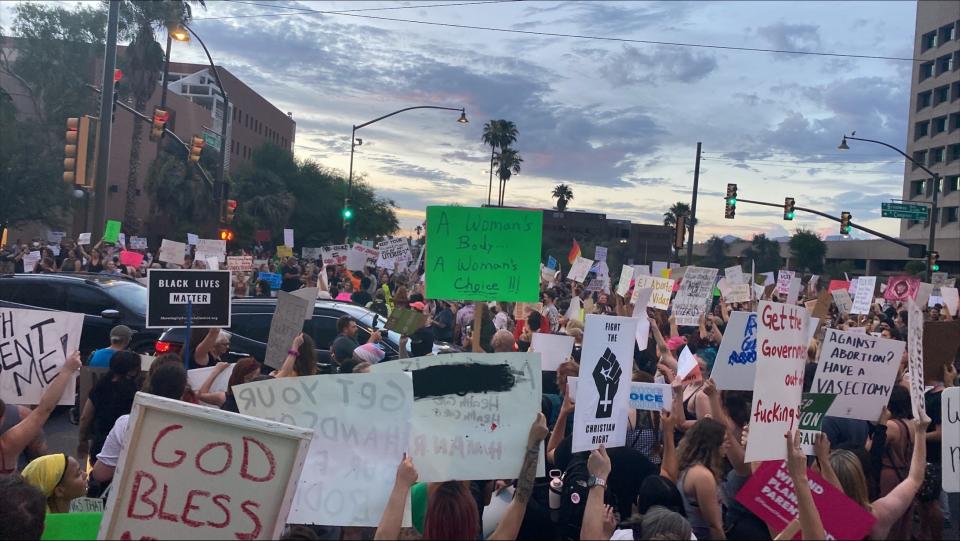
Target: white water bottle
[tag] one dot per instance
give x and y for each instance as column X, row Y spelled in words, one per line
column 556, row 491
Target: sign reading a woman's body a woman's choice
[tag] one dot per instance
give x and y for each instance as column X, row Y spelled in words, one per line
column 176, row 294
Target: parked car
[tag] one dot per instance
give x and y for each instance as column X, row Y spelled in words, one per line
column 250, row 330
column 104, row 300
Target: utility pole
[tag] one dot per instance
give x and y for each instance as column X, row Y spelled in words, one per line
column 693, row 204
column 106, row 126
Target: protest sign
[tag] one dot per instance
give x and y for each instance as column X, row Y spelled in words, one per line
column 694, row 295
column 643, row 296
column 471, row 413
column 393, row 251
column 736, row 363
column 30, row 261
column 738, row 293
column 213, row 247
column 770, row 495
column 688, row 369
column 55, row 249
column 240, row 263
column 657, row 267
column 34, row 344
column 552, row 263
column 193, row 239
column 197, row 376
column 172, row 251
column 579, row 270
column 308, row 294
column 915, row 361
column 951, row 300
column 941, row 339
column 71, row 526
column 483, row 254
column 781, row 356
column 734, row 275
column 272, row 278
column 860, row 370
column 138, row 243
column 405, row 321
column 131, row 259
column 230, row 475
column 554, row 349
column 361, row 426
column 660, row 296
column 768, row 279
column 335, row 255
column 607, row 356
column 838, row 284
column 843, row 301
column 600, row 253
column 822, row 309
column 813, row 408
column 84, row 239
column 86, row 505
column 54, row 237
column 288, row 238
column 923, row 293
column 286, row 324
column 901, row 288
column 643, row 270
column 864, row 295
column 284, row 251
column 360, row 257
column 950, row 448
column 643, row 396
column 310, row 254
column 111, row 232
column 784, row 277
column 794, row 292
column 172, row 291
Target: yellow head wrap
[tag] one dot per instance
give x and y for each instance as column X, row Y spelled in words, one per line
column 46, row 473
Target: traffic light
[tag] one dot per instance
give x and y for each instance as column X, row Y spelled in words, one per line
column 730, row 208
column 788, row 212
column 75, row 150
column 934, row 265
column 117, row 76
column 680, row 232
column 226, row 234
column 195, row 148
column 160, row 117
column 845, row 223
column 347, row 212
column 229, row 207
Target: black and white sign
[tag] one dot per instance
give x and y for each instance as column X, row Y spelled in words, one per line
column 171, row 291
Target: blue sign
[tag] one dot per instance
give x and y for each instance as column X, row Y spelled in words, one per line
column 650, row 396
column 272, row 278
column 552, row 263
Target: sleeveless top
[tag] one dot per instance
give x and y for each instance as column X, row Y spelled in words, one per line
column 699, row 524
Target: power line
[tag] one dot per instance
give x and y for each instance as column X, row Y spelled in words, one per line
column 801, row 166
column 308, row 11
column 801, row 162
column 353, row 13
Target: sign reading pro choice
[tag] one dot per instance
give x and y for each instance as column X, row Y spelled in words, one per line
column 483, row 254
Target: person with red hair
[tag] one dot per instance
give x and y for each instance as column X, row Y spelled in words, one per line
column 244, row 371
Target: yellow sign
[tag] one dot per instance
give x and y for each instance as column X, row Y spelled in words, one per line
column 284, row 251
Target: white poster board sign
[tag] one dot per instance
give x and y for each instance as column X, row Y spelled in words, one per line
column 84, row 239
column 736, row 364
column 659, row 297
column 657, row 267
column 626, row 276
column 578, row 272
column 196, row 377
column 738, row 293
column 554, row 349
column 172, row 251
column 734, row 275
column 843, row 301
column 777, row 389
column 950, row 448
column 864, row 295
column 915, row 358
column 335, row 255
column 34, row 344
column 285, row 325
column 392, row 251
column 288, row 238
column 606, row 362
column 694, row 295
column 213, row 248
column 360, row 424
column 226, row 475
column 600, row 253
column 784, row 277
column 860, row 370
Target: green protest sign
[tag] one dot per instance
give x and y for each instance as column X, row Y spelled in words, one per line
column 405, row 321
column 111, row 233
column 483, row 254
column 75, row 526
column 813, row 408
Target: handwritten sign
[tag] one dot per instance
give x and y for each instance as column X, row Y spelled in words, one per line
column 360, row 257
column 662, row 290
column 225, row 475
column 950, row 448
column 360, row 425
column 131, row 259
column 626, row 277
column 335, row 255
column 781, row 355
column 240, row 263
column 554, row 349
column 784, row 277
column 138, row 243
column 915, row 358
column 311, row 254
column 483, row 254
column 606, row 362
column 860, row 370
column 172, row 251
column 288, row 238
column 813, row 408
column 86, row 505
column 471, row 413
column 579, row 270
column 111, row 232
column 843, row 301
column 736, row 364
column 213, row 247
column 405, row 321
column 696, row 291
column 196, row 377
column 84, row 239
column 30, row 261
column 34, row 344
column 864, row 295
column 272, row 278
column 734, row 275
column 286, row 324
column 600, row 253
column 393, row 251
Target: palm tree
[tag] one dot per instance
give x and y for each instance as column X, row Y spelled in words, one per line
column 676, row 211
column 765, row 253
column 419, row 230
column 716, row 256
column 498, row 134
column 507, row 162
column 563, row 195
column 142, row 63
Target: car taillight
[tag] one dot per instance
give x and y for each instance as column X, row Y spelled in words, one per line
column 166, row 347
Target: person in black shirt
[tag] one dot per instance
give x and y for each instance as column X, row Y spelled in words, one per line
column 361, row 297
column 111, row 397
column 291, row 275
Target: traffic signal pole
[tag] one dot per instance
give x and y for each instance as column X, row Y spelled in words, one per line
column 105, row 128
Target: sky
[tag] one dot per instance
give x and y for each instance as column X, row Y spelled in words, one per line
column 617, row 121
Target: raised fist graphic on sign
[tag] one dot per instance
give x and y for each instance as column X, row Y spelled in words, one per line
column 606, row 376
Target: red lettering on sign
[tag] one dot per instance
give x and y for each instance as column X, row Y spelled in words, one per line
column 137, row 479
column 188, row 506
column 253, row 517
column 226, row 511
column 209, row 447
column 180, row 454
column 244, row 466
column 163, row 515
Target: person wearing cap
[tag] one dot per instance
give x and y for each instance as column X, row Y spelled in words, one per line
column 119, row 340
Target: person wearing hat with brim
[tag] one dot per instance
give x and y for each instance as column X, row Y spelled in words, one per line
column 119, row 340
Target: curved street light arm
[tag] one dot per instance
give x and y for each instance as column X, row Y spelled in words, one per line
column 378, row 119
column 902, row 153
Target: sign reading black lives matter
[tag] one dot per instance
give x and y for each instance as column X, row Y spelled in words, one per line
column 206, row 292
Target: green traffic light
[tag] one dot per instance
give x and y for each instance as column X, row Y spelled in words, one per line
column 790, row 215
column 347, row 213
column 732, row 201
column 935, row 268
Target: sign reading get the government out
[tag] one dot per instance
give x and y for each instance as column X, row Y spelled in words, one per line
column 483, row 254
column 171, row 291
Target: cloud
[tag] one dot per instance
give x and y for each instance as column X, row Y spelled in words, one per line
column 661, row 65
column 791, row 36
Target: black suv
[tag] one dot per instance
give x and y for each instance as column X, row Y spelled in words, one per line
column 251, row 327
column 104, row 300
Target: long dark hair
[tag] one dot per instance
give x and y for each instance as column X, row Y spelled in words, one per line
column 306, row 363
column 451, row 513
column 701, row 445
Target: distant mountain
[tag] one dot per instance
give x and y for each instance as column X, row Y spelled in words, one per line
column 730, row 239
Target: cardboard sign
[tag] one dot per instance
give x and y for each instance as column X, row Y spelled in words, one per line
column 951, row 300
column 483, row 254
column 554, row 349
column 272, row 278
column 781, row 356
column 843, row 301
column 393, row 251
column 915, row 360
column 171, row 291
column 864, row 295
column 860, row 370
column 734, row 275
column 84, row 239
column 471, row 413
column 34, row 344
column 138, row 243
column 196, row 377
column 172, row 251
column 769, row 494
column 660, row 296
column 405, row 321
column 288, row 238
column 111, row 232
column 736, row 364
column 941, row 339
column 213, row 247
column 579, row 270
column 226, row 475
column 813, row 408
column 694, row 295
column 335, row 255
column 286, row 324
column 901, row 288
column 950, row 445
column 600, row 253
column 240, row 263
column 131, row 259
column 606, row 362
column 360, row 425
column 738, row 293
column 784, row 277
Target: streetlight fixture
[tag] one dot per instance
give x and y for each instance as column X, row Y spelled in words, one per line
column 936, row 188
column 179, row 32
column 355, row 142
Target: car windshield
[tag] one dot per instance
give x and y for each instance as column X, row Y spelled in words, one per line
column 133, row 296
column 375, row 320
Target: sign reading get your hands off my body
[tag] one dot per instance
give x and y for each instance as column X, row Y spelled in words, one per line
column 483, row 254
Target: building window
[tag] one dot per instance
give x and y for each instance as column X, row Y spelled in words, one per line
column 941, row 94
column 926, row 70
column 928, row 41
column 917, row 187
column 951, row 183
column 953, row 153
column 954, row 122
column 944, row 64
column 924, row 99
column 937, row 155
column 919, row 156
column 950, row 215
column 938, row 125
column 947, row 33
column 921, row 129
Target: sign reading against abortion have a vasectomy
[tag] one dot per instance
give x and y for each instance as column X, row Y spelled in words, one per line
column 203, row 296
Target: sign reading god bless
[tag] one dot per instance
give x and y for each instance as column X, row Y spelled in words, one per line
column 174, row 296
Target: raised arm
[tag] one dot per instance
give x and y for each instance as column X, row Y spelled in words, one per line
column 895, row 503
column 201, row 355
column 86, row 421
column 560, row 427
column 204, row 394
column 23, row 433
column 821, row 449
column 599, row 466
column 509, row 525
column 286, row 369
column 810, row 524
column 392, row 519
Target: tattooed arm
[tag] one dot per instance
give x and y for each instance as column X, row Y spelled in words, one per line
column 510, row 524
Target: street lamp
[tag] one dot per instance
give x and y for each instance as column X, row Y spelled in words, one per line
column 936, row 188
column 355, row 142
